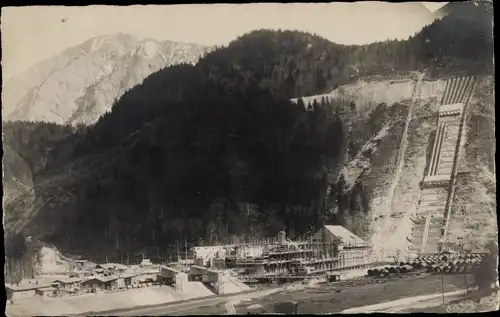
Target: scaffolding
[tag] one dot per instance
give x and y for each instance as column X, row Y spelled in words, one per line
column 302, row 259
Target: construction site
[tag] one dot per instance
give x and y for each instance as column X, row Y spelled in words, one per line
column 431, row 221
column 331, row 254
column 331, row 249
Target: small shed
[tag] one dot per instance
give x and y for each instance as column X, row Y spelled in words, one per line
column 101, row 283
column 131, row 279
column 46, row 291
column 333, row 277
column 67, row 284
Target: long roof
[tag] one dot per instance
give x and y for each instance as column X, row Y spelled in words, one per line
column 108, row 266
column 47, row 289
column 26, row 287
column 345, row 236
column 69, row 280
column 102, row 279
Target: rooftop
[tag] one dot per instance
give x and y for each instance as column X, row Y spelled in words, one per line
column 164, row 267
column 345, row 236
column 69, row 280
column 48, row 289
column 25, row 287
column 457, row 107
column 109, row 266
column 103, row 279
column 128, row 275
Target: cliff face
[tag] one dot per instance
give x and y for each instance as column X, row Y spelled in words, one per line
column 82, row 83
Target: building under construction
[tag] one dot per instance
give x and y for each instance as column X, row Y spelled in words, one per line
column 330, row 249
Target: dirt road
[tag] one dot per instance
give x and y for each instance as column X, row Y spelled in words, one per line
column 220, row 305
column 413, row 302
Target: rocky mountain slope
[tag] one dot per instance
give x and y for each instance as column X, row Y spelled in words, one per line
column 463, row 8
column 390, row 192
column 81, row 83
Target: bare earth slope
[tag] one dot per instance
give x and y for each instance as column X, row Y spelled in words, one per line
column 394, row 190
column 81, row 83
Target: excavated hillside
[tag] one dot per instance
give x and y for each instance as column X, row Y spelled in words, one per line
column 377, row 126
column 390, row 165
column 397, row 189
column 474, row 218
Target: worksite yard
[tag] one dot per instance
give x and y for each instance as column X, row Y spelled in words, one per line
column 470, row 303
column 337, row 297
column 324, row 298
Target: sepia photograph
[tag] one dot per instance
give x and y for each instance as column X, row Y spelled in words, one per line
column 249, row 159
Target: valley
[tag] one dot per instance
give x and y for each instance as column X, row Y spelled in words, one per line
column 279, row 157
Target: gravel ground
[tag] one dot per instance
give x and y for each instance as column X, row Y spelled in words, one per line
column 344, row 295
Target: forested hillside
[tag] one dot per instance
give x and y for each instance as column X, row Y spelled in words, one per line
column 218, row 148
column 33, row 141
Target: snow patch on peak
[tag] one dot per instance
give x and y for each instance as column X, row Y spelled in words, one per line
column 98, row 42
column 148, row 48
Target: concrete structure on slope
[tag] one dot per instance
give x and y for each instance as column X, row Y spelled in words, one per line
column 436, row 195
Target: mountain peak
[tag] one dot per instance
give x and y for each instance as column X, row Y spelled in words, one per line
column 82, row 83
column 148, row 48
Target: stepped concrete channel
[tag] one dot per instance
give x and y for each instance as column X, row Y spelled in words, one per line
column 430, row 224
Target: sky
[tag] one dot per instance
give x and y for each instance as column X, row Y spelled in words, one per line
column 32, row 34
